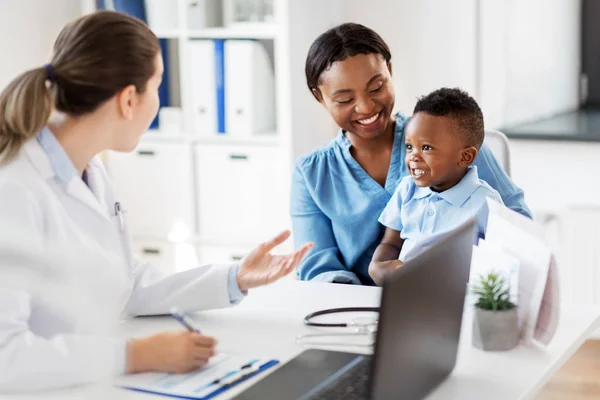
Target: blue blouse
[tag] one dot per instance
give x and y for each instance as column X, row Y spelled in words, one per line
column 336, row 205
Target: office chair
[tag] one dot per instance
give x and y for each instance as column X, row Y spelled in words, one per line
column 498, row 144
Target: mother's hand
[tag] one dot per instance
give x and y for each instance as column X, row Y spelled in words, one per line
column 260, row 267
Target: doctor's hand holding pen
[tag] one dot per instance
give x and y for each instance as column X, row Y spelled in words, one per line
column 183, row 352
column 178, row 352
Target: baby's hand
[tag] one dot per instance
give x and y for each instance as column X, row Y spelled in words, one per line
column 397, row 264
column 378, row 269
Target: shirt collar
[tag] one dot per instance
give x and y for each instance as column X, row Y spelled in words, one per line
column 459, row 193
column 59, row 160
column 422, row 192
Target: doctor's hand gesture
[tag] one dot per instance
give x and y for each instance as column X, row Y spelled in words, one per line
column 260, row 267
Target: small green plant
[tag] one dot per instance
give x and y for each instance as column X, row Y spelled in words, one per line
column 492, row 293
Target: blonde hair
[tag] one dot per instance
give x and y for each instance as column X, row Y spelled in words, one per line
column 25, row 106
column 95, row 57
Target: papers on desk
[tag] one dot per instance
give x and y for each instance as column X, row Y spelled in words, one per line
column 221, row 373
column 515, row 248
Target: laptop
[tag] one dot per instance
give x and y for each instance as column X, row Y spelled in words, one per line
column 417, row 337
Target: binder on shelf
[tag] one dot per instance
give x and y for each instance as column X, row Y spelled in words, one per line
column 164, row 90
column 208, row 85
column 220, row 84
column 135, row 8
column 250, row 88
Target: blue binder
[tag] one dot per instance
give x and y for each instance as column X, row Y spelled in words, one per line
column 163, row 89
column 220, row 84
column 135, row 8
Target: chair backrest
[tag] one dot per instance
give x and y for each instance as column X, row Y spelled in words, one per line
column 498, row 144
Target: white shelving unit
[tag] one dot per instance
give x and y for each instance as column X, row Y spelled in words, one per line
column 270, row 139
column 236, row 186
column 254, row 32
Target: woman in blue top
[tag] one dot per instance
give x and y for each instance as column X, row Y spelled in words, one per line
column 340, row 189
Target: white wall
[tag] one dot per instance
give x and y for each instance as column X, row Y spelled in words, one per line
column 311, row 124
column 520, row 59
column 27, row 31
column 433, row 43
column 530, row 59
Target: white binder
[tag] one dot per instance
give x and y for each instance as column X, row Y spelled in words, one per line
column 203, row 93
column 249, row 89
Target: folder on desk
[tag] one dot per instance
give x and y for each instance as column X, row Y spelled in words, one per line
column 223, row 372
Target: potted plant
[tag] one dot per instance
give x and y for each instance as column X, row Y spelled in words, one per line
column 495, row 323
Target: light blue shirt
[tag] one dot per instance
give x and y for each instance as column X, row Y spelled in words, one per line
column 336, row 205
column 422, row 216
column 59, row 160
column 65, row 170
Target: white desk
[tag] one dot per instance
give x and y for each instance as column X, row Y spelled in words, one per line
column 267, row 322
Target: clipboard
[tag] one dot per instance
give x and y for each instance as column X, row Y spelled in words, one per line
column 223, row 372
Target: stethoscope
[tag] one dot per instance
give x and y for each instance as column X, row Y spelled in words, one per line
column 362, row 326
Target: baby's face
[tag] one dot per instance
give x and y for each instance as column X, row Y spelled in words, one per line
column 434, row 151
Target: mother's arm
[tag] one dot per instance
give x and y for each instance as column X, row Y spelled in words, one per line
column 309, row 223
column 490, row 171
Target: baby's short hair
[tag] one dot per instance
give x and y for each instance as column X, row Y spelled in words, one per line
column 458, row 105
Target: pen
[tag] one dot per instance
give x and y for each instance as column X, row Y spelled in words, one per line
column 236, row 375
column 183, row 319
column 119, row 214
column 249, row 366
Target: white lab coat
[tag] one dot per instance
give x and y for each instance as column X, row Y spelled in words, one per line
column 55, row 317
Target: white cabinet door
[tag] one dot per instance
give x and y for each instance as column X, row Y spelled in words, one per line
column 242, row 192
column 155, row 186
column 168, row 257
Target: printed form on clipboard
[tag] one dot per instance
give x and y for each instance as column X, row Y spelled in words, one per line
column 221, row 373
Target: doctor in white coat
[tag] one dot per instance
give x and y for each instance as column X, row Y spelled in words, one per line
column 99, row 92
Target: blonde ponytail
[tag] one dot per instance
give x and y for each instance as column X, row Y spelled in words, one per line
column 95, row 57
column 25, row 107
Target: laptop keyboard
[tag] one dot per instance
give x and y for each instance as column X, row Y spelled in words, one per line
column 352, row 385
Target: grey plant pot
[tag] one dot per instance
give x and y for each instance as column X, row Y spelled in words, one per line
column 495, row 330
